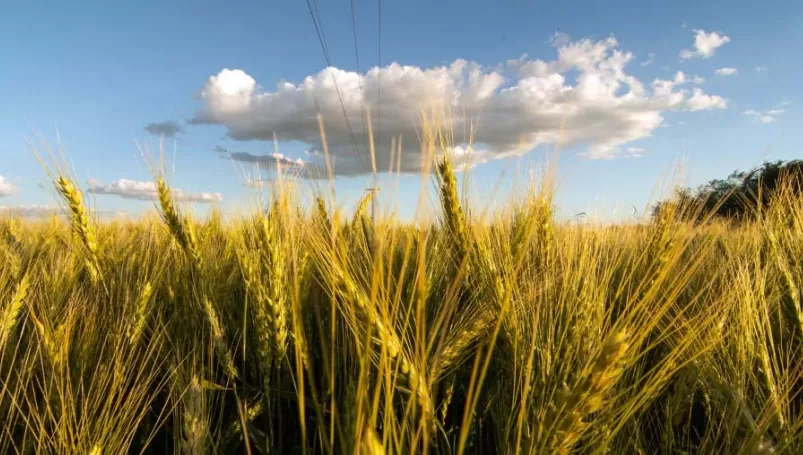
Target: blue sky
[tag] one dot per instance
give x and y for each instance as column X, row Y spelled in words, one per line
column 533, row 73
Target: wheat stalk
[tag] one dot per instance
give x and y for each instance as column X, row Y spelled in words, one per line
column 181, row 229
column 12, row 259
column 169, row 213
column 371, row 444
column 588, row 396
column 53, row 341
column 276, row 298
column 448, row 394
column 793, row 307
column 252, row 411
column 140, row 314
column 455, row 348
column 11, row 313
column 359, row 213
column 265, row 282
column 221, row 347
column 387, row 337
column 184, row 234
column 663, row 237
column 79, row 220
column 545, row 230
column 455, row 219
column 195, row 429
column 263, row 326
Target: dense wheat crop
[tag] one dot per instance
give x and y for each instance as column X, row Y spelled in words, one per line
column 297, row 330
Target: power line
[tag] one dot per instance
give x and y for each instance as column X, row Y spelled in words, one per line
column 322, row 40
column 354, row 34
column 379, row 96
column 375, row 186
column 359, row 70
column 379, row 68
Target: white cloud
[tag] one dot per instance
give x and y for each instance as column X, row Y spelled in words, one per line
column 699, row 101
column 681, row 78
column 764, row 117
column 6, row 187
column 133, row 189
column 583, row 97
column 761, row 69
column 650, row 59
column 726, row 72
column 705, row 44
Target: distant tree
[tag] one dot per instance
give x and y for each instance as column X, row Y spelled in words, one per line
column 740, row 195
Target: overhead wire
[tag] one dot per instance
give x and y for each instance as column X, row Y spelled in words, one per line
column 359, row 70
column 313, row 10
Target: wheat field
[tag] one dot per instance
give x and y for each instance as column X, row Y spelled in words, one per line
column 298, row 330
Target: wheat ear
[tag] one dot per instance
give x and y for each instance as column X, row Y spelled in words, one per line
column 79, row 221
column 454, row 218
column 11, row 313
column 588, row 396
column 219, row 339
column 456, row 346
column 195, row 429
column 360, row 211
column 276, row 297
column 140, row 314
column 179, row 227
column 388, row 338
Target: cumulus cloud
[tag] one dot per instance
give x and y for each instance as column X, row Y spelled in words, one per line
column 146, row 190
column 705, row 44
column 6, row 187
column 584, row 97
column 699, row 101
column 164, row 129
column 764, row 117
column 727, row 72
column 681, row 78
column 650, row 59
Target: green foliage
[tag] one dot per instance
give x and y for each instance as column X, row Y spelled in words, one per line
column 743, row 194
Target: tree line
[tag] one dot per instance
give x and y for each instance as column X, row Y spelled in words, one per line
column 740, row 196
